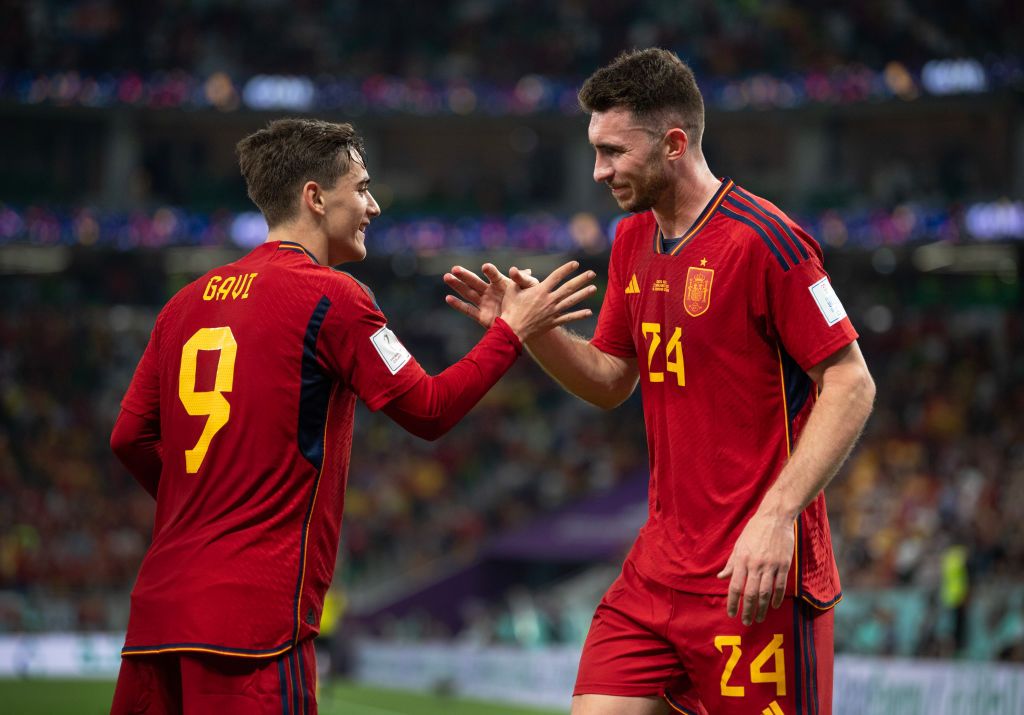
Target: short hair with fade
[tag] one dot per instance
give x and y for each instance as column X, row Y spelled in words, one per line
column 654, row 84
column 278, row 160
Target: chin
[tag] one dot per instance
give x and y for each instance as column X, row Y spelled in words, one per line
column 352, row 253
column 639, row 204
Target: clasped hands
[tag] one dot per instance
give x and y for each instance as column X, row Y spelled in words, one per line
column 528, row 305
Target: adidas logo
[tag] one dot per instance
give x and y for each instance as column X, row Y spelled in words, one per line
column 772, row 709
column 633, row 287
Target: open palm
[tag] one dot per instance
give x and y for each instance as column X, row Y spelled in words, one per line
column 481, row 299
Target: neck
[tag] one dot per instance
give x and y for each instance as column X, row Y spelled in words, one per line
column 685, row 199
column 311, row 240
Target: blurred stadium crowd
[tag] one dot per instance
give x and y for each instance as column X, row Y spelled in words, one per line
column 941, row 467
column 110, row 157
column 493, row 39
column 119, row 132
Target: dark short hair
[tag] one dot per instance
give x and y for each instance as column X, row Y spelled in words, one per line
column 654, row 84
column 278, row 160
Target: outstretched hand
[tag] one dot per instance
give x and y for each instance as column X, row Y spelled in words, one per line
column 480, row 299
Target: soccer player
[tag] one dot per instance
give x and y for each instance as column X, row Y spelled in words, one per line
column 239, row 422
column 754, row 391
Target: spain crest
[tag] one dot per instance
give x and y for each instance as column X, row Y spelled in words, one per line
column 697, row 293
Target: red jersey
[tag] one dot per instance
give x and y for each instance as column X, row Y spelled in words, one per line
column 253, row 372
column 724, row 327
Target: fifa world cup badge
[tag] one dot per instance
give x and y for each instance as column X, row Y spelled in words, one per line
column 697, row 294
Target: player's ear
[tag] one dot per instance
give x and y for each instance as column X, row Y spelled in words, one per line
column 676, row 143
column 313, row 197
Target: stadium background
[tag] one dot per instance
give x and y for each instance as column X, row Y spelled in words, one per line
column 893, row 131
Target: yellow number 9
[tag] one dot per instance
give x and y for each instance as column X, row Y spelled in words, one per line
column 210, row 403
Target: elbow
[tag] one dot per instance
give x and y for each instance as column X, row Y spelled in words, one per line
column 430, row 430
column 431, row 434
column 120, row 443
column 864, row 392
column 613, row 394
column 608, row 401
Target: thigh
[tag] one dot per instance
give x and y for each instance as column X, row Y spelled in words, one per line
column 779, row 667
column 615, row 705
column 218, row 685
column 627, row 659
column 148, row 685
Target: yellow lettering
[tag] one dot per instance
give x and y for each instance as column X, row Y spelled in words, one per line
column 211, row 288
column 653, row 330
column 673, row 353
column 239, row 286
column 674, row 357
column 757, row 675
column 225, row 288
column 209, row 403
column 730, row 691
column 248, row 284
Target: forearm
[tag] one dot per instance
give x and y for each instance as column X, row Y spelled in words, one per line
column 136, row 443
column 832, row 429
column 436, row 403
column 582, row 369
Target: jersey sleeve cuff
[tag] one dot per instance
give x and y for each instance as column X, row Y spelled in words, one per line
column 827, row 350
column 500, row 326
column 606, row 347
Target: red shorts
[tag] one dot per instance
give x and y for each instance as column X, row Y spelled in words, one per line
column 649, row 640
column 199, row 684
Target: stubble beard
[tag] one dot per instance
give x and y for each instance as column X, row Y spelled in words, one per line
column 646, row 191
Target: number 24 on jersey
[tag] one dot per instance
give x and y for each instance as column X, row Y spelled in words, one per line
column 673, row 353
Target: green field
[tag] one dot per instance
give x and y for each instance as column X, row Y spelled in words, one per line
column 91, row 697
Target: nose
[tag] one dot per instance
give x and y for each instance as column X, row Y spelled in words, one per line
column 602, row 170
column 372, row 207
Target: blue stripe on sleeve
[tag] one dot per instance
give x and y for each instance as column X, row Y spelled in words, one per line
column 760, row 232
column 765, row 224
column 797, row 243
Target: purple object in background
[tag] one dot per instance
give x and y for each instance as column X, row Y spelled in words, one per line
column 598, row 529
column 595, row 529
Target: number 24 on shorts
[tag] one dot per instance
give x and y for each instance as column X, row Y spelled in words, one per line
column 209, row 403
column 771, row 651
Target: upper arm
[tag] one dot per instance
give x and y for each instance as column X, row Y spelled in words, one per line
column 613, row 336
column 136, row 443
column 143, row 395
column 359, row 349
column 800, row 306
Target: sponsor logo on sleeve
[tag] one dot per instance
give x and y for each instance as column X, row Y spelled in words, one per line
column 828, row 302
column 391, row 351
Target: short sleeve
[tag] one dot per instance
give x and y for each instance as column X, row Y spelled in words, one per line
column 805, row 314
column 613, row 334
column 143, row 395
column 357, row 346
